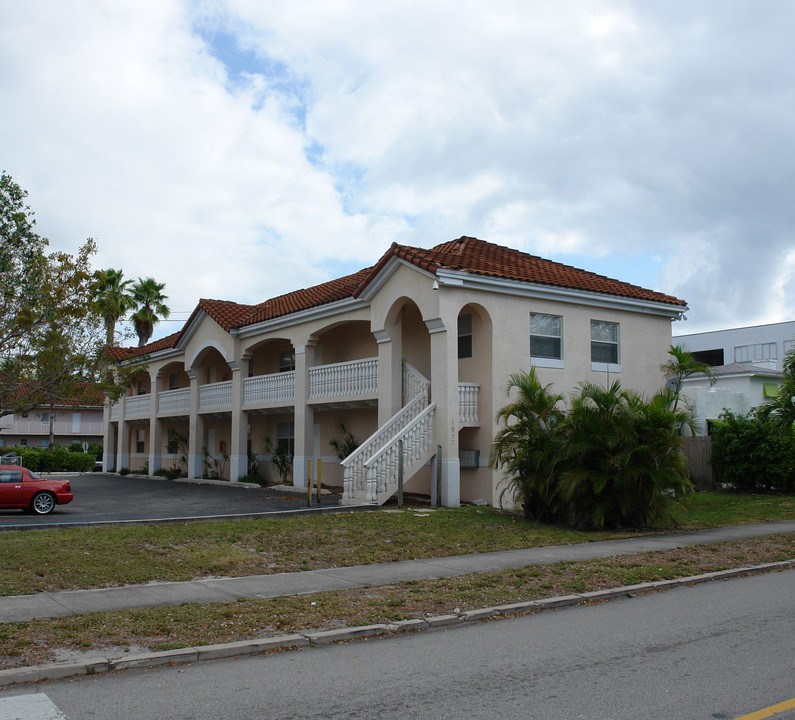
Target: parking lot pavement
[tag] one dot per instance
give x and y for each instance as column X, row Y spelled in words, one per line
column 101, row 498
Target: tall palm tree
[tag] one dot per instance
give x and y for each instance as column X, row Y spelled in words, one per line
column 150, row 307
column 112, row 298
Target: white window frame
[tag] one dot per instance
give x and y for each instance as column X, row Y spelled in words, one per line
column 547, row 362
column 600, row 366
column 285, row 432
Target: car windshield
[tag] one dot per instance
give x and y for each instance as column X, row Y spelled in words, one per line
column 34, row 476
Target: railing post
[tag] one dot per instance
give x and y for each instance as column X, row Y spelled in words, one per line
column 400, row 474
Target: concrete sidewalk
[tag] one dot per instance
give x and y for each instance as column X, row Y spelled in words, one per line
column 20, row 608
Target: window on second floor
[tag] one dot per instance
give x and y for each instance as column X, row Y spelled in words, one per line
column 546, row 336
column 604, row 342
column 173, row 381
column 465, row 335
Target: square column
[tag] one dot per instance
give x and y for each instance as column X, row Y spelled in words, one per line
column 196, row 432
column 304, row 416
column 123, row 454
column 108, row 449
column 444, row 392
column 238, row 446
column 390, row 375
column 155, row 429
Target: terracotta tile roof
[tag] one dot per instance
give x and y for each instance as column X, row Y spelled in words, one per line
column 465, row 254
column 482, row 258
column 125, row 353
column 226, row 313
column 306, row 298
column 82, row 394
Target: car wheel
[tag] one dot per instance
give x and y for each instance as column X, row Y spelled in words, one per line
column 43, row 503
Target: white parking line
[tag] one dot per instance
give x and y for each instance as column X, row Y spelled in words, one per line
column 29, row 707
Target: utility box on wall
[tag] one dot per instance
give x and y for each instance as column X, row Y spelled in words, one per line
column 469, row 458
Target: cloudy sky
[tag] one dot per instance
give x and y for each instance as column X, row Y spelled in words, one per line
column 243, row 149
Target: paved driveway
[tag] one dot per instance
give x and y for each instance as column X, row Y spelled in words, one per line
column 112, row 498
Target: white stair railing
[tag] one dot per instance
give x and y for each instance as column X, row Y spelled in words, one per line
column 381, row 470
column 355, row 466
column 354, row 476
column 414, row 383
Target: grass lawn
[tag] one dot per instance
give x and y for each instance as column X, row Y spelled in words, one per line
column 101, row 557
column 111, row 634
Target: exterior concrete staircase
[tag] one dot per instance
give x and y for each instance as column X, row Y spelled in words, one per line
column 371, row 471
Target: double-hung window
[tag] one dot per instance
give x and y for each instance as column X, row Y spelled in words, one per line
column 546, row 340
column 604, row 346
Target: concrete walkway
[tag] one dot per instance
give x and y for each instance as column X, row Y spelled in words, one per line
column 19, row 608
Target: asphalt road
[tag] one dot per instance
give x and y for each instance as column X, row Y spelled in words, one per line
column 113, row 498
column 719, row 650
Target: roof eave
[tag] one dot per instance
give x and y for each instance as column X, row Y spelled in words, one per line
column 520, row 288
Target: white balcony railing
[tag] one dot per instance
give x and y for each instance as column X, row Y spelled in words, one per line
column 115, row 411
column 60, row 427
column 138, row 406
column 174, row 402
column 274, row 389
column 357, row 377
column 215, row 396
column 468, row 402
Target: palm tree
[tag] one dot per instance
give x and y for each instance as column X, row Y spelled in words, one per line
column 681, row 365
column 112, row 299
column 527, row 442
column 150, row 307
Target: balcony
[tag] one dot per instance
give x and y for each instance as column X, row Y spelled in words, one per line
column 215, row 397
column 355, row 379
column 23, row 426
column 264, row 390
column 173, row 403
column 138, row 406
column 346, row 379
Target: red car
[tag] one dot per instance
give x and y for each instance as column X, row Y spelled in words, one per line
column 20, row 488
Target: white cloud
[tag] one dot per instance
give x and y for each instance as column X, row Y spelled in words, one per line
column 586, row 129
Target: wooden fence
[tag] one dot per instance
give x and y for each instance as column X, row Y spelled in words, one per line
column 699, row 452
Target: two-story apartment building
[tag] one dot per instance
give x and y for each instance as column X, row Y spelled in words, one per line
column 412, row 353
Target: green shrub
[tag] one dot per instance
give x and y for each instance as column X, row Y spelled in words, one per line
column 754, row 452
column 614, row 459
column 59, row 459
